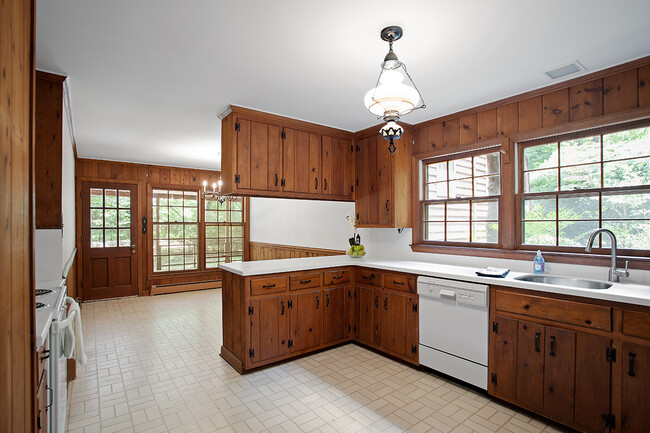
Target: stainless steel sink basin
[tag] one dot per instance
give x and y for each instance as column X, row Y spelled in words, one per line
column 564, row 281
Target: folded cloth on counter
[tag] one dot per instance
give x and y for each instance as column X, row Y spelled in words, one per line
column 73, row 346
column 493, row 272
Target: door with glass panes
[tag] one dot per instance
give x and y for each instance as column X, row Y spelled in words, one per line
column 109, row 240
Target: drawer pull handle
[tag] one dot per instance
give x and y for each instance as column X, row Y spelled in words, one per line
column 552, row 352
column 316, row 187
column 46, row 355
column 386, row 304
column 337, row 277
column 327, row 300
column 399, row 283
column 376, row 301
column 317, row 302
column 537, row 335
column 630, row 371
column 282, row 303
column 305, row 281
column 526, row 307
column 268, row 286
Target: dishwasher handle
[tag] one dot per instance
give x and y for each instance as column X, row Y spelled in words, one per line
column 444, row 293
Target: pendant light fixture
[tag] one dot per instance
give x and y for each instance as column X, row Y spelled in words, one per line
column 394, row 94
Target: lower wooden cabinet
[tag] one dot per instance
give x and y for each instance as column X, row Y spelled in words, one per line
column 336, row 312
column 41, row 404
column 306, row 320
column 269, row 324
column 593, row 380
column 369, row 321
column 635, row 388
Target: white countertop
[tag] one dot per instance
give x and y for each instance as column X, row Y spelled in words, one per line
column 44, row 316
column 619, row 292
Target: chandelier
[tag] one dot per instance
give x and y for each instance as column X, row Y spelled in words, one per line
column 394, row 94
column 215, row 194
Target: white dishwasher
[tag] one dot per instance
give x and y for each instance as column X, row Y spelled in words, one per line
column 454, row 317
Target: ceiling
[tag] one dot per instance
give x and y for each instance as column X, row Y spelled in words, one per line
column 147, row 78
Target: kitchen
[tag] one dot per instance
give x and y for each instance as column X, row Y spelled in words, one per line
column 125, row 147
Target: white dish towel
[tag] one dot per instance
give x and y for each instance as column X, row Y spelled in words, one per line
column 73, row 340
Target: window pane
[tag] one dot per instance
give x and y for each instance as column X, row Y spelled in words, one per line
column 110, row 198
column 580, row 177
column 541, row 181
column 460, row 168
column 629, row 234
column 434, row 212
column 631, row 172
column 575, row 233
column 125, row 237
column 490, row 185
column 539, row 209
column 212, row 231
column 458, row 232
column 458, row 211
column 191, row 231
column 191, row 198
column 125, row 198
column 110, row 218
column 175, row 231
column 160, row 198
column 110, row 237
column 96, row 197
column 96, row 238
column 160, row 231
column 125, row 218
column 485, row 210
column 175, row 198
column 539, row 232
column 626, row 144
column 175, row 214
column 626, row 205
column 190, row 214
column 436, row 191
column 436, row 172
column 578, row 207
column 460, row 188
column 211, row 204
column 210, row 216
column 434, row 231
column 237, row 231
column 487, row 164
column 161, row 214
column 96, row 218
column 580, row 151
column 485, row 232
column 236, row 217
column 541, row 156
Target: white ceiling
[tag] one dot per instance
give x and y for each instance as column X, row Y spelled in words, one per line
column 148, row 77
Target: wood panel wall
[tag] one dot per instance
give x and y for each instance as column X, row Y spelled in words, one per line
column 143, row 176
column 264, row 251
column 17, row 354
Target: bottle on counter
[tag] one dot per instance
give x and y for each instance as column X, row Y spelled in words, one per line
column 538, row 263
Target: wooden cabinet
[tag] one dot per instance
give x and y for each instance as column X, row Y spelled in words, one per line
column 41, row 405
column 635, row 383
column 336, row 314
column 306, row 319
column 593, row 380
column 383, row 183
column 274, row 156
column 269, row 321
column 369, row 321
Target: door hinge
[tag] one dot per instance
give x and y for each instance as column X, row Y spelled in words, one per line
column 493, row 378
column 355, row 293
column 355, row 328
column 357, row 147
column 282, row 183
column 610, row 354
column 290, row 343
column 283, row 135
column 236, row 178
column 349, row 328
column 250, row 310
column 609, row 420
column 414, row 350
column 237, row 126
column 351, row 148
column 356, row 183
column 495, row 327
column 290, row 304
column 251, row 353
column 415, row 308
column 349, row 294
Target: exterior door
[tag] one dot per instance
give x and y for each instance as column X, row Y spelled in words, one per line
column 109, row 240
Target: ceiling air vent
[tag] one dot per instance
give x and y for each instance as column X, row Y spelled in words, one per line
column 563, row 71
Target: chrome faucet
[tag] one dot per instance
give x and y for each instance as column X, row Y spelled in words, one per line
column 614, row 272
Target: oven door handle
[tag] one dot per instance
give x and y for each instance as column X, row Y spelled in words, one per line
column 444, row 293
column 59, row 326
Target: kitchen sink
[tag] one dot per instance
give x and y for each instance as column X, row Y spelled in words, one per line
column 564, row 281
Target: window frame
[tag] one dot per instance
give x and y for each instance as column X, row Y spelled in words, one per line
column 224, row 224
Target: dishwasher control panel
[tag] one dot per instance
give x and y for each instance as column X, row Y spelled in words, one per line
column 460, row 291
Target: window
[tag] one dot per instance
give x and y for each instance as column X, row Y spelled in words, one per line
column 175, row 230
column 224, row 232
column 571, row 187
column 461, row 199
column 110, row 218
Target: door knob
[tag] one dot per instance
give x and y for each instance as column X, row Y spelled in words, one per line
column 132, row 249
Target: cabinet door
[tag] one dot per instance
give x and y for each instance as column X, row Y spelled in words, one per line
column 353, row 311
column 335, row 323
column 306, row 320
column 315, row 180
column 336, row 165
column 393, row 322
column 559, row 375
column 243, row 138
column 593, row 380
column 41, row 405
column 259, row 155
column 349, row 174
column 268, row 329
column 289, row 160
column 376, row 334
column 384, row 210
column 274, row 159
column 375, row 189
column 362, row 188
column 635, row 416
column 530, row 371
column 366, row 319
column 307, row 163
column 503, row 346
column 412, row 328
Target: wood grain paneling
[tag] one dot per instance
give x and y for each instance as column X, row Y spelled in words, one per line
column 451, row 133
column 644, row 86
column 468, row 129
column 555, row 108
column 620, row 92
column 508, row 119
column 530, row 113
column 17, row 354
column 265, row 251
column 586, row 100
column 487, row 124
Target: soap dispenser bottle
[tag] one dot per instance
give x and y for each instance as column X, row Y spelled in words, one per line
column 538, row 263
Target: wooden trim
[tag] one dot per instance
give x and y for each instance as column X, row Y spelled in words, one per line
column 49, row 76
column 266, row 251
column 541, row 91
column 183, row 287
column 476, row 146
column 69, row 263
column 67, row 106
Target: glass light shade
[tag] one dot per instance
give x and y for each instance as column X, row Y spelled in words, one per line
column 392, row 95
column 391, row 130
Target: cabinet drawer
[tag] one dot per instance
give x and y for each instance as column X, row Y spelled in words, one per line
column 368, row 277
column 636, row 323
column 266, row 285
column 340, row 276
column 402, row 283
column 575, row 313
column 304, row 281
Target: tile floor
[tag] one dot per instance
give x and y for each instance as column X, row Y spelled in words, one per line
column 154, row 366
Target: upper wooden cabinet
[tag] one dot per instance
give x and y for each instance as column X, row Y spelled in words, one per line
column 383, row 181
column 271, row 156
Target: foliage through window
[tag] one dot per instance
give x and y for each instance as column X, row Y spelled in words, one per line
column 572, row 187
column 224, row 232
column 461, row 199
column 175, row 230
column 110, row 218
